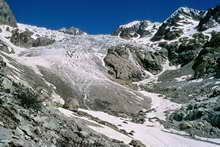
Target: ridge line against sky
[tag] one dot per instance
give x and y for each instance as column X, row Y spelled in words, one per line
column 98, row 16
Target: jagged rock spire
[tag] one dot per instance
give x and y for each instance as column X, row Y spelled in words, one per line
column 6, row 15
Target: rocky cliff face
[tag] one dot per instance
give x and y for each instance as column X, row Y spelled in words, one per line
column 186, row 49
column 25, row 39
column 6, row 15
column 210, row 20
column 207, row 64
column 128, row 62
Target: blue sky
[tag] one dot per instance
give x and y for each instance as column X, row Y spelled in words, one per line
column 98, row 16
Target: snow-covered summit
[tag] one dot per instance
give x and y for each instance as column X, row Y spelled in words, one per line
column 137, row 29
column 130, row 24
column 170, row 29
column 185, row 12
column 183, row 21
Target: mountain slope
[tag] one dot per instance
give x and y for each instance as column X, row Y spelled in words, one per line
column 68, row 61
column 127, row 87
column 210, row 20
column 178, row 23
column 74, row 64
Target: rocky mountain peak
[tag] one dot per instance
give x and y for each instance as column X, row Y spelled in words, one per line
column 210, row 20
column 173, row 27
column 6, row 15
column 185, row 12
column 137, row 29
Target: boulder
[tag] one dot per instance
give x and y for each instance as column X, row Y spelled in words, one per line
column 127, row 62
column 151, row 61
column 117, row 60
column 178, row 116
column 7, row 84
column 2, row 66
column 185, row 125
column 71, row 104
column 136, row 143
column 139, row 118
column 216, row 92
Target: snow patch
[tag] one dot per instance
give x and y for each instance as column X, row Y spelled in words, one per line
column 107, row 131
column 183, row 78
column 129, row 25
column 160, row 105
column 150, row 136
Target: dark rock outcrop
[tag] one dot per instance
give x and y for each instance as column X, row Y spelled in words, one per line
column 72, row 31
column 216, row 92
column 137, row 143
column 210, row 20
column 139, row 118
column 117, row 60
column 185, row 49
column 5, row 48
column 6, row 15
column 167, row 33
column 42, row 41
column 24, row 39
column 71, row 104
column 206, row 64
column 198, row 118
column 151, row 61
column 127, row 62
